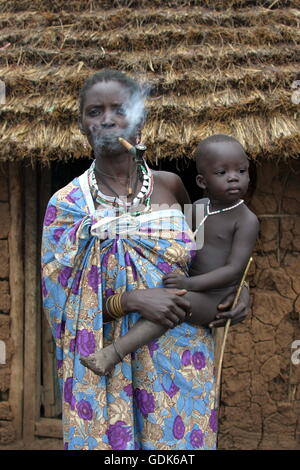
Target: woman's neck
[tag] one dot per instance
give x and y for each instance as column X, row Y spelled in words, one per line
column 119, row 166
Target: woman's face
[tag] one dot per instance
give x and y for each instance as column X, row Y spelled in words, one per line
column 107, row 115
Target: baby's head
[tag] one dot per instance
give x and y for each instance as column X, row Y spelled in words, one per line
column 222, row 167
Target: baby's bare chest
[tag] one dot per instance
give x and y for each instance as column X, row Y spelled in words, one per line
column 215, row 243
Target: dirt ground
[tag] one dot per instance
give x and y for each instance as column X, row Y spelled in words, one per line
column 38, row 444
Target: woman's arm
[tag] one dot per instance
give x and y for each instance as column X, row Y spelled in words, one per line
column 167, row 307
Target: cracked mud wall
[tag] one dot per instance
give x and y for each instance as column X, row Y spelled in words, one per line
column 260, row 402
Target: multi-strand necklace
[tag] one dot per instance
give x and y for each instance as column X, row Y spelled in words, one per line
column 216, row 212
column 119, row 202
column 103, row 181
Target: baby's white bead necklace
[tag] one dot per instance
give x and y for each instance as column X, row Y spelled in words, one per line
column 216, row 212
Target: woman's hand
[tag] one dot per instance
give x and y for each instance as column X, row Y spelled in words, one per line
column 166, row 307
column 237, row 314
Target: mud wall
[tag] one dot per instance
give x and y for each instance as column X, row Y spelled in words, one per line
column 7, row 432
column 260, row 407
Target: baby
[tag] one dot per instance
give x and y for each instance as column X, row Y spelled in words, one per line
column 230, row 231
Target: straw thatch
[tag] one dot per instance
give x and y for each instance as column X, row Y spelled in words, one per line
column 213, row 66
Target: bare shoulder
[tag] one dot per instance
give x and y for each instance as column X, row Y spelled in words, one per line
column 248, row 217
column 173, row 183
column 247, row 214
column 203, row 200
column 166, row 177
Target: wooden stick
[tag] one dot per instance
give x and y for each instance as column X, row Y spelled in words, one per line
column 32, row 330
column 228, row 322
column 16, row 281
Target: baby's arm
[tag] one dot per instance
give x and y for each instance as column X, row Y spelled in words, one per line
column 242, row 246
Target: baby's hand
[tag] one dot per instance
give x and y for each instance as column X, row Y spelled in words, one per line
column 178, row 281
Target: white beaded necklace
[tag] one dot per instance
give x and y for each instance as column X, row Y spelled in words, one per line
column 216, row 212
column 144, row 193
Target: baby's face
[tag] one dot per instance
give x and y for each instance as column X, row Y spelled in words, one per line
column 225, row 172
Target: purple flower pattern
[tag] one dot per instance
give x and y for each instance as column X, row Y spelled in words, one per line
column 186, row 358
column 109, row 292
column 76, row 282
column 197, row 438
column 58, row 233
column 93, row 278
column 85, row 342
column 50, row 215
column 84, row 410
column 68, row 392
column 73, row 232
column 213, row 420
column 118, row 435
column 172, row 390
column 64, row 275
column 128, row 389
column 198, row 360
column 145, row 401
column 182, row 236
column 178, row 428
column 152, row 346
column 72, row 345
column 70, row 197
column 129, row 262
column 165, row 267
column 44, row 288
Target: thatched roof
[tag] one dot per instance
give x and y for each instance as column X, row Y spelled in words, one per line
column 215, row 66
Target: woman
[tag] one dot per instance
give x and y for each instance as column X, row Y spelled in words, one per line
column 162, row 396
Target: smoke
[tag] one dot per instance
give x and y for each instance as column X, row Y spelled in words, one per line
column 134, row 112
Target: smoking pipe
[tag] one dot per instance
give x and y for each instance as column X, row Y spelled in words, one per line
column 136, row 151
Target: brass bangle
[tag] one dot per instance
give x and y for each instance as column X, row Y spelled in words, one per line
column 108, row 307
column 120, row 310
column 114, row 306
